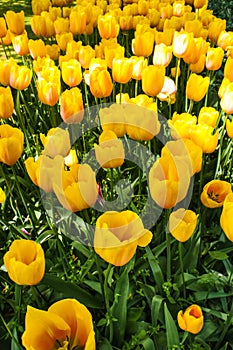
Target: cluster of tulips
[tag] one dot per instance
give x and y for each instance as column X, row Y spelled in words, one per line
column 134, row 60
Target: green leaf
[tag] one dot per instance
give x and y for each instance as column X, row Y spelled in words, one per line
column 105, row 345
column 155, row 308
column 156, row 270
column 119, row 307
column 171, row 329
column 81, row 249
column 44, row 236
column 147, row 344
column 72, row 291
column 218, row 255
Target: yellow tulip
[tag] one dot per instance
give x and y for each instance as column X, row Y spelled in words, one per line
column 110, row 151
column 225, row 39
column 226, row 217
column 108, row 26
column 117, row 236
column 214, row 58
column 61, row 25
column 67, row 323
column 20, row 44
column 86, row 53
column 15, row 22
column 5, row 69
column 153, row 79
column 20, row 77
column 228, row 69
column 182, row 224
column 122, row 70
column 3, row 30
column 6, row 103
column 227, row 99
column 191, row 320
column 181, row 125
column 11, row 144
column 202, row 135
column 182, row 42
column 71, row 72
column 63, row 39
column 143, row 43
column 216, row 26
column 229, row 128
column 101, row 83
column 197, row 87
column 25, row 262
column 53, row 51
column 37, row 48
column 139, row 64
column 42, row 26
column 162, row 55
column 208, row 116
column 57, row 142
column 113, row 118
column 214, row 193
column 49, row 85
column 39, row 6
column 72, row 108
column 78, row 21
column 2, row 196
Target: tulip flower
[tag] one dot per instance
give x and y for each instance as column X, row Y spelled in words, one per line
column 225, row 39
column 214, row 193
column 197, row 87
column 15, row 21
column 71, row 72
column 78, row 21
column 100, row 83
column 20, row 77
column 191, row 320
column 72, row 108
column 2, row 196
column 153, row 79
column 228, row 69
column 49, row 85
column 143, row 43
column 215, row 28
column 117, row 235
column 63, row 39
column 86, row 53
column 226, row 217
column 181, row 125
column 61, row 25
column 113, row 118
column 39, row 6
column 76, row 189
column 162, row 55
column 57, row 142
column 42, row 26
column 214, row 58
column 25, row 262
column 110, row 151
column 66, row 325
column 208, row 116
column 3, row 30
column 6, row 103
column 37, row 48
column 165, row 37
column 203, row 136
column 227, row 99
column 229, row 128
column 53, row 51
column 182, row 42
column 71, row 158
column 112, row 51
column 182, row 224
column 168, row 92
column 108, row 26
column 11, row 144
column 139, row 64
column 122, row 69
column 169, row 181
column 5, row 69
column 20, row 44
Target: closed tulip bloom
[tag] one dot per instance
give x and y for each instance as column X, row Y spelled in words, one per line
column 101, row 83
column 49, row 86
column 56, row 142
column 86, row 53
column 113, row 118
column 193, row 26
column 3, row 29
column 25, row 262
column 20, row 44
column 224, row 85
column 214, row 193
column 39, row 6
column 20, row 77
column 197, row 87
column 108, row 26
column 6, row 103
column 165, row 37
column 78, row 190
column 181, row 125
column 182, row 42
column 215, row 28
column 15, row 22
column 61, row 25
column 110, row 151
column 41, row 62
column 143, row 43
column 53, row 51
column 162, row 55
column 228, row 69
column 200, row 3
column 191, row 320
column 72, row 107
column 229, row 128
column 117, row 236
column 199, row 66
column 11, row 144
column 5, row 69
column 225, row 39
column 139, row 64
column 226, row 217
column 153, row 79
column 71, row 72
column 2, row 196
column 113, row 51
column 78, row 21
column 126, row 23
column 71, row 158
column 202, row 135
column 214, row 58
column 168, row 92
column 67, row 323
column 208, row 116
column 122, row 69
column 182, row 224
column 227, row 99
column 37, row 48
column 42, row 26
column 62, row 40
column 169, row 181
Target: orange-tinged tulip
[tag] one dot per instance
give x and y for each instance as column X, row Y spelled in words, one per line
column 227, row 99
column 37, row 48
column 214, row 193
column 126, row 23
column 20, row 77
column 3, row 30
column 113, row 118
column 182, row 42
column 25, row 262
column 20, row 44
column 181, row 125
column 78, row 189
column 117, row 236
column 153, row 79
column 215, row 28
column 208, row 116
column 100, row 83
column 143, row 43
column 11, row 144
column 86, row 53
column 229, row 128
column 141, row 123
column 225, row 39
column 110, row 151
column 169, row 181
column 197, row 87
column 72, row 108
column 41, row 62
column 191, row 320
column 15, row 22
column 182, row 224
column 42, row 26
column 200, row 3
column 71, row 72
column 214, row 58
column 67, row 323
column 78, row 21
column 108, row 26
column 228, row 69
column 202, row 135
column 226, row 216
column 57, row 142
column 162, row 55
column 6, row 103
column 122, row 69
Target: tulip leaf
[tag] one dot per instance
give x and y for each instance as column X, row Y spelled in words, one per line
column 105, row 345
column 156, row 270
column 155, row 309
column 171, row 329
column 147, row 344
column 72, row 291
column 119, row 307
column 218, row 255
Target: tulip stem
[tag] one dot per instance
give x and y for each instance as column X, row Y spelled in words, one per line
column 177, row 72
column 106, row 297
column 11, row 334
column 168, row 241
column 136, row 88
column 18, row 300
column 182, row 268
column 190, row 106
column 218, row 171
column 227, row 325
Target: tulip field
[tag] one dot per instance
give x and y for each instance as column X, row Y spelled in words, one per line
column 116, row 173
